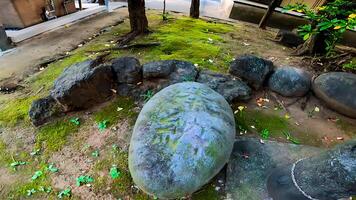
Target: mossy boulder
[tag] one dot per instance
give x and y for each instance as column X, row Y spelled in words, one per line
column 182, row 138
column 83, row 85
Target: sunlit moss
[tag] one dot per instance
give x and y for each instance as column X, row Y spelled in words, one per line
column 53, row 136
column 120, row 108
column 15, row 111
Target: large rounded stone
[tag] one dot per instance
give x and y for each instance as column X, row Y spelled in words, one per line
column 290, row 82
column 338, row 90
column 182, row 138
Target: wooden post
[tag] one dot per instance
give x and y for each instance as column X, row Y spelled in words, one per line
column 268, row 13
column 80, row 4
column 4, row 40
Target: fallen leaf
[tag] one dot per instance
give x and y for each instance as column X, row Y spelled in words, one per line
column 340, row 138
column 316, row 109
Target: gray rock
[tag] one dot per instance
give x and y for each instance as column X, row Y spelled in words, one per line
column 179, row 71
column 330, row 175
column 290, row 82
column 252, row 69
column 232, row 89
column 159, row 69
column 252, row 162
column 182, row 138
column 173, row 70
column 338, row 91
column 42, row 110
column 127, row 70
column 83, row 85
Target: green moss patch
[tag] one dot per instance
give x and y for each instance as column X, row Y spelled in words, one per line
column 195, row 40
column 276, row 126
column 120, row 187
column 52, row 137
column 15, row 111
column 120, row 108
column 208, row 192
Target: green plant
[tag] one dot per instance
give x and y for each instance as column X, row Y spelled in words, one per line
column 84, row 179
column 75, row 121
column 289, row 137
column 95, row 153
column 37, row 175
column 65, row 193
column 330, row 21
column 31, row 192
column 15, row 164
column 102, row 125
column 148, row 95
column 52, row 168
column 114, row 172
column 265, row 134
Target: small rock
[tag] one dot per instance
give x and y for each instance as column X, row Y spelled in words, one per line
column 252, row 69
column 83, row 85
column 127, row 70
column 42, row 110
column 232, row 90
column 159, row 69
column 290, row 82
column 164, row 73
column 338, row 91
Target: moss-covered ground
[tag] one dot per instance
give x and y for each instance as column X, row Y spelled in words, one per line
column 210, row 44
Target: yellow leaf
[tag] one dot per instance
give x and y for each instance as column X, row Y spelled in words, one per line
column 287, row 116
column 337, row 27
column 241, row 108
column 321, row 8
column 316, row 109
column 353, row 15
column 300, row 11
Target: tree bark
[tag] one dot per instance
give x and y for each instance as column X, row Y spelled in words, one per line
column 194, row 9
column 4, row 40
column 137, row 14
column 101, row 2
column 268, row 13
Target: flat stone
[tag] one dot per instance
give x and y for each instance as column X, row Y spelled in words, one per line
column 83, row 85
column 168, row 72
column 338, row 91
column 229, row 87
column 158, row 69
column 42, row 110
column 252, row 69
column 252, row 162
column 127, row 70
column 290, row 82
column 182, row 138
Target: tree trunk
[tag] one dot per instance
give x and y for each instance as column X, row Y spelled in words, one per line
column 194, row 9
column 268, row 13
column 315, row 45
column 4, row 40
column 137, row 14
column 101, row 2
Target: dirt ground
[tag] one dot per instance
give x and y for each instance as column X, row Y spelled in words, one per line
column 30, row 53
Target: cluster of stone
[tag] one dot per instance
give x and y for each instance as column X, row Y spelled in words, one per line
column 185, row 133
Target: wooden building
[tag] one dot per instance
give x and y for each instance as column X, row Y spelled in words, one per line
column 23, row 13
